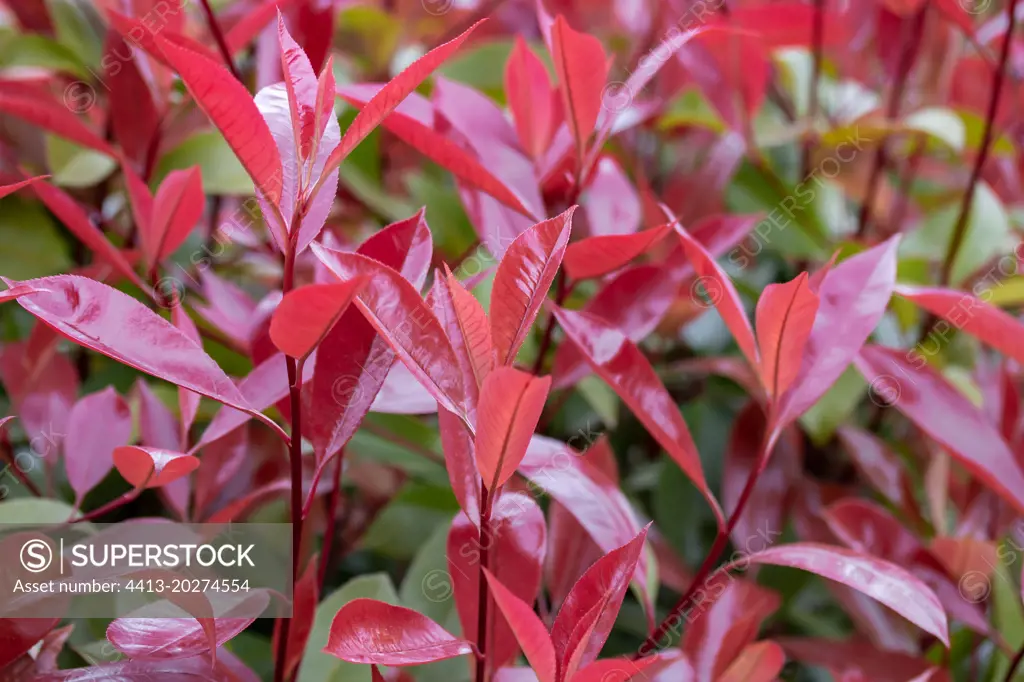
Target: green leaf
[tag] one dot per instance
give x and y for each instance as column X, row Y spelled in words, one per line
column 75, row 166
column 39, row 51
column 482, row 67
column 34, row 511
column 320, row 667
column 941, row 123
column 77, row 30
column 221, row 170
column 409, row 519
column 32, row 244
column 835, row 407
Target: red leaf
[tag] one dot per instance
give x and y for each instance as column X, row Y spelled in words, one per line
column 229, row 106
column 195, row 669
column 853, row 298
column 460, row 461
column 531, row 98
column 152, row 467
column 10, row 189
column 586, row 618
column 942, row 412
column 722, row 294
column 596, row 256
column 617, row 670
column 39, row 108
column 761, row 662
column 245, row 30
column 837, row 656
column 307, row 595
column 620, row 363
column 391, row 95
column 307, row 314
column 468, row 330
column 882, row 581
column 18, row 290
column 444, row 152
column 99, row 423
column 881, row 467
column 177, row 208
column 75, row 219
column 133, row 114
column 788, row 24
column 368, row 631
column 582, row 69
column 522, row 281
column 529, row 630
column 785, row 315
column 511, row 403
column 19, row 635
column 114, row 324
column 301, row 84
column 394, row 308
column 966, row 312
column 517, row 543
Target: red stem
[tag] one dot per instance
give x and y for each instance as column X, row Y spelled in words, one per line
column 218, row 35
column 481, row 608
column 817, row 41
column 110, row 506
column 651, row 643
column 332, row 519
column 1020, row 653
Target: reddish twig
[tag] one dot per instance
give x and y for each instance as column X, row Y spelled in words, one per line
column 218, row 36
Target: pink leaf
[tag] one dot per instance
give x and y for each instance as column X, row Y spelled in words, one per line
column 152, row 467
column 301, row 83
column 367, row 631
column 528, row 628
column 882, row 581
column 596, row 256
column 230, row 107
column 785, row 315
column 391, row 95
column 511, row 403
column 582, row 68
column 521, row 284
column 307, row 314
column 942, row 412
column 761, row 662
column 99, row 423
column 10, row 189
column 620, row 363
column 19, row 290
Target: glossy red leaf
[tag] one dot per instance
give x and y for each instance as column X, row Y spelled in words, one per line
column 467, row 327
column 307, row 314
column 522, row 281
column 396, row 311
column 230, row 107
column 305, row 600
column 511, row 403
column 248, row 27
column 367, row 631
column 535, row 106
column 301, row 84
column 39, row 108
column 529, row 630
column 853, row 298
column 77, row 221
column 837, row 655
column 99, row 423
column 880, row 466
column 610, row 201
column 946, row 415
column 460, row 461
column 10, row 189
column 761, row 662
column 582, row 69
column 884, row 582
column 177, row 207
column 517, row 543
column 444, row 152
column 116, row 325
column 620, row 363
column 965, row 311
column 719, row 632
column 789, row 24
column 152, row 467
column 784, row 317
column 391, row 95
column 594, row 603
column 618, row 670
column 716, row 285
column 195, row 669
column 133, row 113
column 596, row 256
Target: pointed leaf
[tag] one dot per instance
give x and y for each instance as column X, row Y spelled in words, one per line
column 620, row 363
column 230, row 107
column 10, row 189
column 529, row 630
column 521, row 284
column 761, row 662
column 152, row 467
column 784, row 317
column 511, row 403
column 368, row 631
column 301, row 83
column 721, row 293
column 177, row 207
column 618, row 670
column 40, row 109
column 467, row 328
column 582, row 69
column 306, row 315
column 533, row 101
column 596, row 256
column 391, row 95
column 17, row 290
column 595, row 599
column 460, row 461
column 882, row 581
column 99, row 423
column 945, row 414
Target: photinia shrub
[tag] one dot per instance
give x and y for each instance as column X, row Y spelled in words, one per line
column 560, row 332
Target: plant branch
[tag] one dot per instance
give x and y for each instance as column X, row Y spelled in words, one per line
column 907, row 56
column 482, row 594
column 332, row 519
column 218, row 35
column 817, row 42
column 129, row 496
column 1020, row 652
